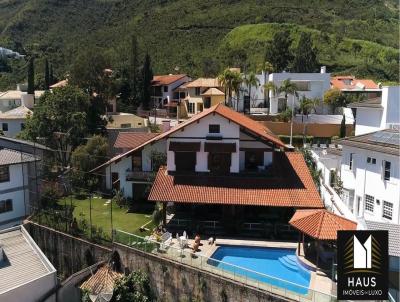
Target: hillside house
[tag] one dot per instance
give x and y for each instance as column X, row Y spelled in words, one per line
column 12, row 122
column 164, row 94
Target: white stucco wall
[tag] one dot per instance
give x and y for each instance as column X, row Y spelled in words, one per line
column 367, row 178
column 14, row 126
column 368, row 120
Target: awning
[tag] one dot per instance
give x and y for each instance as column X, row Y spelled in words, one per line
column 321, row 224
column 220, row 147
column 184, row 146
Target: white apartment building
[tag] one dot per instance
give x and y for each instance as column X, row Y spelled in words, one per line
column 378, row 113
column 15, row 170
column 25, row 272
column 370, row 175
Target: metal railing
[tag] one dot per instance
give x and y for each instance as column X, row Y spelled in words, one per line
column 243, row 275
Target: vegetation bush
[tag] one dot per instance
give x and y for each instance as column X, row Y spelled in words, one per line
column 298, row 140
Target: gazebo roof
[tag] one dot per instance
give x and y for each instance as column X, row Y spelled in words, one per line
column 321, row 224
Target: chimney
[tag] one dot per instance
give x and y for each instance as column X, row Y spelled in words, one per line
column 166, row 125
column 27, row 100
column 323, row 69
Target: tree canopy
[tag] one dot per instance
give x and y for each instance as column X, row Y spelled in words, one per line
column 305, row 55
column 278, row 51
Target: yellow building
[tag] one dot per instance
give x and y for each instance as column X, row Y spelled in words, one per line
column 125, row 120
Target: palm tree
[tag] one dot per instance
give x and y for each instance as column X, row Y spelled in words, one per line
column 287, row 88
column 305, row 105
column 251, row 81
column 267, row 88
column 237, row 81
column 267, row 68
column 229, row 79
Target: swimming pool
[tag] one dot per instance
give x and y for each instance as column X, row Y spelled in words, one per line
column 274, row 262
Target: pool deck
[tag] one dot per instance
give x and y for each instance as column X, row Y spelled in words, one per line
column 318, row 281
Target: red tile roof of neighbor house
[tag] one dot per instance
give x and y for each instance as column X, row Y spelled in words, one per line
column 292, row 187
column 338, row 82
column 256, row 128
column 132, row 140
column 161, row 80
column 321, row 224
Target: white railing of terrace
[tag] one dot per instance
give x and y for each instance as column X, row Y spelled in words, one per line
column 240, row 274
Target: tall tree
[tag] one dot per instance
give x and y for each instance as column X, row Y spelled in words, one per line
column 31, row 76
column 278, row 50
column 46, row 75
column 288, row 88
column 229, row 80
column 147, row 77
column 306, row 105
column 305, row 55
column 334, row 98
column 343, row 127
column 133, row 69
column 51, row 75
column 269, row 86
column 61, row 120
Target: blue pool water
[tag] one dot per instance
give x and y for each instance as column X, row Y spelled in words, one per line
column 274, row 262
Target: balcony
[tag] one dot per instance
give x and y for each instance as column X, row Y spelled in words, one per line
column 140, row 176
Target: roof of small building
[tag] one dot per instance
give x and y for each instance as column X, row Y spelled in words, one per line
column 383, row 141
column 133, row 139
column 20, row 112
column 369, row 103
column 292, row 186
column 204, row 82
column 102, row 282
column 355, row 84
column 23, row 142
column 12, row 157
column 61, row 83
column 16, row 94
column 394, row 234
column 321, row 224
column 162, row 80
column 212, row 91
column 24, row 261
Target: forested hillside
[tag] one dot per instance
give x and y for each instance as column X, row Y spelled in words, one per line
column 195, row 35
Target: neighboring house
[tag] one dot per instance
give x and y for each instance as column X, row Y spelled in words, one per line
column 378, row 113
column 164, row 94
column 15, row 98
column 370, row 174
column 130, row 140
column 125, row 120
column 309, row 85
column 25, row 272
column 349, row 84
column 202, row 93
column 233, row 166
column 17, row 175
column 12, row 122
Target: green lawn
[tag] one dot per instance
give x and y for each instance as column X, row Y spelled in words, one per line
column 101, row 215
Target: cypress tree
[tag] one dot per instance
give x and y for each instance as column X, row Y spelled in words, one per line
column 278, row 51
column 51, row 75
column 134, row 69
column 31, row 77
column 305, row 57
column 343, row 127
column 46, row 75
column 147, row 77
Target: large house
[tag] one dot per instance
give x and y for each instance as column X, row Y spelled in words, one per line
column 164, row 87
column 25, row 272
column 16, row 173
column 12, row 122
column 14, row 98
column 351, row 85
column 378, row 113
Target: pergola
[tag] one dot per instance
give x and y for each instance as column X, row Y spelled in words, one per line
column 320, row 224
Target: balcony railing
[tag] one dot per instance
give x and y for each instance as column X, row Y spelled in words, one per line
column 140, row 176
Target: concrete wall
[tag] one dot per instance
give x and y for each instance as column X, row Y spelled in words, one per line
column 171, row 281
column 368, row 120
column 14, row 126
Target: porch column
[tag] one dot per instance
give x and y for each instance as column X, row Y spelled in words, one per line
column 298, row 245
column 164, row 213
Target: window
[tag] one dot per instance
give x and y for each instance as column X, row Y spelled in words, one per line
column 219, row 163
column 369, row 203
column 197, row 91
column 207, row 102
column 253, row 159
column 213, row 128
column 6, row 206
column 371, row 160
column 185, row 161
column 191, row 107
column 137, row 161
column 22, row 126
column 5, row 127
column 351, row 161
column 4, row 174
column 387, row 210
column 165, row 88
column 127, row 125
column 386, row 170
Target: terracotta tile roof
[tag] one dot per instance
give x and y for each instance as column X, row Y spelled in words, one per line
column 161, row 80
column 132, row 140
column 102, row 282
column 356, row 84
column 204, row 82
column 255, row 127
column 321, row 224
column 213, row 91
column 294, row 187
